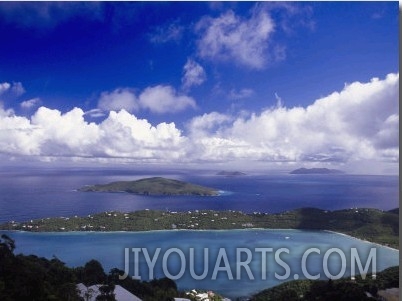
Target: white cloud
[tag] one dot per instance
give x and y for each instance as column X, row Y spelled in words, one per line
column 30, row 103
column 50, row 133
column 194, row 74
column 158, row 99
column 124, row 135
column 240, row 94
column 206, row 124
column 122, row 98
column 359, row 123
column 4, row 87
column 171, row 32
column 162, row 99
column 95, row 113
column 230, row 37
column 17, row 89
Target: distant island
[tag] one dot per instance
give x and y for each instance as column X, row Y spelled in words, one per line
column 153, row 186
column 369, row 224
column 230, row 173
column 312, row 171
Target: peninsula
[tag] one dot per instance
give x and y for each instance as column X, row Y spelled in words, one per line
column 153, row 186
column 368, row 224
column 311, row 171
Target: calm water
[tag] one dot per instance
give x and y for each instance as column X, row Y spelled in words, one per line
column 76, row 249
column 28, row 195
column 36, row 194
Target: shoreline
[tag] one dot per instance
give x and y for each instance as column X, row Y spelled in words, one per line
column 364, row 240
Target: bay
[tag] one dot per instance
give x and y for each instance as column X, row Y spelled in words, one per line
column 76, row 248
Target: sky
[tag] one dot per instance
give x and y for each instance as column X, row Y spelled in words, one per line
column 201, row 84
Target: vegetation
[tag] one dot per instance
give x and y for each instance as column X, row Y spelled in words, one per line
column 32, row 278
column 332, row 290
column 153, row 186
column 369, row 224
column 307, row 171
column 27, row 278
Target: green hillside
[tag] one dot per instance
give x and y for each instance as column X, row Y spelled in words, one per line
column 153, row 186
column 369, row 224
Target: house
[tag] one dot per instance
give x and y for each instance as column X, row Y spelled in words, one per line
column 202, row 296
column 91, row 292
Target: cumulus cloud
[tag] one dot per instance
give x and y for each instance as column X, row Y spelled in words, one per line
column 232, row 37
column 30, row 103
column 158, row 99
column 162, row 99
column 360, row 123
column 16, row 88
column 207, row 124
column 122, row 98
column 4, row 87
column 193, row 74
column 50, row 133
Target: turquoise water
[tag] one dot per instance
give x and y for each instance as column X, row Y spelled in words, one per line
column 76, row 249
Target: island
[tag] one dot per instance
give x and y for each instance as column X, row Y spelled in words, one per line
column 312, row 171
column 230, row 173
column 368, row 224
column 153, row 186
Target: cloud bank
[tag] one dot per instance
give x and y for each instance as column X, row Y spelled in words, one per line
column 361, row 122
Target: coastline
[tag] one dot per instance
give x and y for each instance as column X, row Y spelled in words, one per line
column 353, row 237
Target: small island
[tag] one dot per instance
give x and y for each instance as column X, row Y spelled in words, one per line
column 153, row 186
column 230, row 173
column 315, row 171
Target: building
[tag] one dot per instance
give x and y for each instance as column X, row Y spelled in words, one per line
column 91, row 292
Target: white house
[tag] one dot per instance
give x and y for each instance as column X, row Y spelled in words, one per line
column 91, row 292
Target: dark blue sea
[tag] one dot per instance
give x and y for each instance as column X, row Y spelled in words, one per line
column 30, row 194
column 26, row 195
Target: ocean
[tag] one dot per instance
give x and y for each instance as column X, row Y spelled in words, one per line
column 31, row 194
column 26, row 195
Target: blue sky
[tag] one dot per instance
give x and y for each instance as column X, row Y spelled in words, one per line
column 198, row 83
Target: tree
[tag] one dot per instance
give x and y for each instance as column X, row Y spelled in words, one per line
column 93, row 273
column 7, row 245
column 107, row 293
